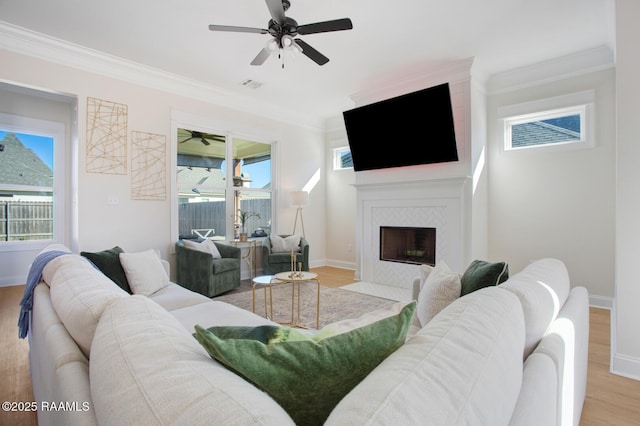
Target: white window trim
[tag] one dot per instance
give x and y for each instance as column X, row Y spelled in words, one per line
column 582, row 103
column 56, row 131
column 187, row 120
column 337, row 163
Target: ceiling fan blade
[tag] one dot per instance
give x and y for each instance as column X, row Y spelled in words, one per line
column 261, row 57
column 276, row 9
column 326, row 26
column 231, row 28
column 312, row 53
column 204, row 141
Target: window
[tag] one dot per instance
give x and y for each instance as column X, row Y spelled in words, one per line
column 218, row 176
column 342, row 158
column 31, row 189
column 555, row 123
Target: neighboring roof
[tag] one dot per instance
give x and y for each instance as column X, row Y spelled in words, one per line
column 21, row 166
column 540, row 133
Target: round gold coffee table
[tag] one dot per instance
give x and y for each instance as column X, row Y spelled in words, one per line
column 295, row 279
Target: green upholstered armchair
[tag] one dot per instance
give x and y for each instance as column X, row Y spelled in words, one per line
column 272, row 263
column 201, row 273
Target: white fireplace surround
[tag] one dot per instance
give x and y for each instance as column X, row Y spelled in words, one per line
column 437, row 203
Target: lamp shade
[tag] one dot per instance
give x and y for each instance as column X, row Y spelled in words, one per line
column 299, row 198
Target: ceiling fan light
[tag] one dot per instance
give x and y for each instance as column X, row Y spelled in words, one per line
column 287, row 41
column 272, row 45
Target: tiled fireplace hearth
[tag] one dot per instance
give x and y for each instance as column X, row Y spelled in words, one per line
column 438, row 204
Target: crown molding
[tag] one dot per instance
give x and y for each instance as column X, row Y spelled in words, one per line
column 452, row 72
column 579, row 63
column 30, row 43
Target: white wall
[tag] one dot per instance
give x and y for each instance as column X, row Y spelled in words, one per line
column 557, row 204
column 137, row 225
column 626, row 316
column 341, row 205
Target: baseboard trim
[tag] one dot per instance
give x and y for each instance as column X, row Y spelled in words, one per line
column 601, row 302
column 626, row 366
column 340, row 264
column 11, row 281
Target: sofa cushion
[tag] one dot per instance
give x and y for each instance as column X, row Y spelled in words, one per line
column 79, row 294
column 542, row 287
column 217, row 313
column 440, row 288
column 108, row 261
column 147, row 369
column 309, row 374
column 174, row 296
column 144, row 271
column 481, row 273
column 463, row 367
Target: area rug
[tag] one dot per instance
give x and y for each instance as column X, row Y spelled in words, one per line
column 335, row 304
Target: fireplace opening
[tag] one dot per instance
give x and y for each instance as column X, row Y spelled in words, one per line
column 408, row 244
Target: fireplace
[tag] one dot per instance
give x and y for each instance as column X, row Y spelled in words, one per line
column 408, row 244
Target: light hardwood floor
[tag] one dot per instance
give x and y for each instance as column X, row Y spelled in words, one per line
column 611, row 399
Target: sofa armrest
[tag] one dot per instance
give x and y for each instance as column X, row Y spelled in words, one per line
column 266, row 247
column 227, row 250
column 304, row 249
column 194, row 268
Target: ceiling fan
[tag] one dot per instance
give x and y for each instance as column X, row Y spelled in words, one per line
column 283, row 30
column 187, row 135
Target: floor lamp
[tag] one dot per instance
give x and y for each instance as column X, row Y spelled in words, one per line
column 299, row 199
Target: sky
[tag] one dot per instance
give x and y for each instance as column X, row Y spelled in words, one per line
column 42, row 146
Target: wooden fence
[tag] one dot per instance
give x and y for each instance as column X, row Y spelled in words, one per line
column 212, row 215
column 26, row 220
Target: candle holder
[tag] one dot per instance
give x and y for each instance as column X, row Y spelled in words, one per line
column 295, row 273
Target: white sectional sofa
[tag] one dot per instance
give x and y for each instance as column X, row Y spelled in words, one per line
column 512, row 354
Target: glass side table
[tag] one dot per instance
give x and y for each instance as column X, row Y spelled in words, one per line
column 264, row 281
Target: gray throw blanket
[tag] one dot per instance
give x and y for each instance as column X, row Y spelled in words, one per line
column 35, row 274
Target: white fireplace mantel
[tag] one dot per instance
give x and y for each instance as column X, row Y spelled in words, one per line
column 435, row 203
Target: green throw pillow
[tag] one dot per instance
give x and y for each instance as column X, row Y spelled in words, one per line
column 482, row 274
column 308, row 374
column 108, row 262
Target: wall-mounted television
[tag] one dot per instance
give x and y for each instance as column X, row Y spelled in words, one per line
column 416, row 128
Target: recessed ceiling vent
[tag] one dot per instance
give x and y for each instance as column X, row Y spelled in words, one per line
column 252, row 84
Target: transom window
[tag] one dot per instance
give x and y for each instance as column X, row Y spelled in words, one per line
column 562, row 122
column 342, row 158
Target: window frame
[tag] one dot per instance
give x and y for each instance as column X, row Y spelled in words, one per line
column 190, row 121
column 580, row 103
column 337, row 159
column 56, row 131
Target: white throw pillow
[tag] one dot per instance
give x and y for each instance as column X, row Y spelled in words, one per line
column 145, row 273
column 441, row 287
column 207, row 246
column 425, row 270
column 287, row 244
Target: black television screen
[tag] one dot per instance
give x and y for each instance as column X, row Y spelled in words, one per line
column 416, row 128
